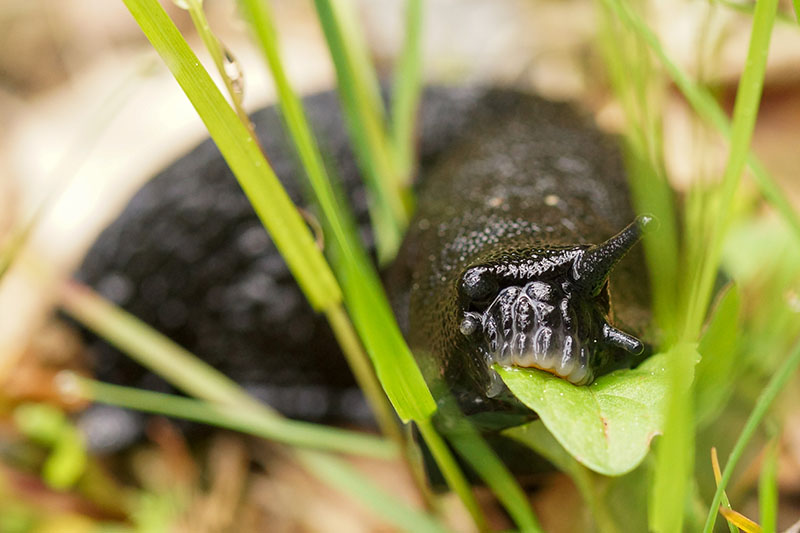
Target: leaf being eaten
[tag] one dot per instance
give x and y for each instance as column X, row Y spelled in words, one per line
column 608, row 425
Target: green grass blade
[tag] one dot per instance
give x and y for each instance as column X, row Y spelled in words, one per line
column 768, row 488
column 240, row 150
column 675, row 451
column 636, row 85
column 481, row 458
column 221, row 58
column 765, row 399
column 291, row 432
column 471, row 446
column 358, row 54
column 348, row 480
column 150, row 348
column 183, row 370
column 336, row 217
column 796, row 4
column 749, row 8
column 748, row 97
column 706, row 107
column 406, row 93
column 390, row 205
column 394, row 362
column 452, row 473
column 366, row 301
column 261, row 21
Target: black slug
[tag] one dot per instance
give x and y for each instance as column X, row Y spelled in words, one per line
column 519, row 225
column 523, row 211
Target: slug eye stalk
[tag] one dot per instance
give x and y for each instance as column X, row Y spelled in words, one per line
column 591, row 269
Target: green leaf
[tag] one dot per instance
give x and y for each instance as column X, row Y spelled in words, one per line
column 608, row 425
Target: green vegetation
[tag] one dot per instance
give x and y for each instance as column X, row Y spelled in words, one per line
column 599, row 435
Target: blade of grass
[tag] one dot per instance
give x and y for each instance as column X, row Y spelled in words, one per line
column 338, row 221
column 452, row 473
column 279, row 429
column 358, row 54
column 748, row 97
column 675, row 451
column 706, row 106
column 765, row 399
column 350, row 481
column 406, row 93
column 393, row 361
column 150, row 348
column 195, row 377
column 261, row 21
column 768, row 487
column 625, row 57
column 717, row 475
column 222, row 58
column 749, row 8
column 391, row 210
column 241, row 152
column 471, row 446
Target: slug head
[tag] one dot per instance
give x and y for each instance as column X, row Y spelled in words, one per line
column 547, row 307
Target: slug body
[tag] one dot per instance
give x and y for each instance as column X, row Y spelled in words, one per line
column 506, row 260
column 510, row 253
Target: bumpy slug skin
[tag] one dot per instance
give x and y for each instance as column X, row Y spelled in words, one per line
column 517, row 230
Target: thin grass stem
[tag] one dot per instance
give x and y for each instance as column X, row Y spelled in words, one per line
column 390, row 214
column 275, row 428
column 406, row 93
column 452, row 473
column 707, row 108
column 221, row 57
column 240, row 150
column 185, row 371
column 261, row 21
column 338, row 474
column 768, row 487
column 765, row 399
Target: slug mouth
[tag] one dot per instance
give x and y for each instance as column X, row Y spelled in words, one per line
column 525, row 327
column 547, row 308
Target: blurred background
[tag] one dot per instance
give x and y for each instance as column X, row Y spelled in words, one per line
column 88, row 112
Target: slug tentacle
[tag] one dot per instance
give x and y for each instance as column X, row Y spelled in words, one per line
column 593, row 267
column 620, row 339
